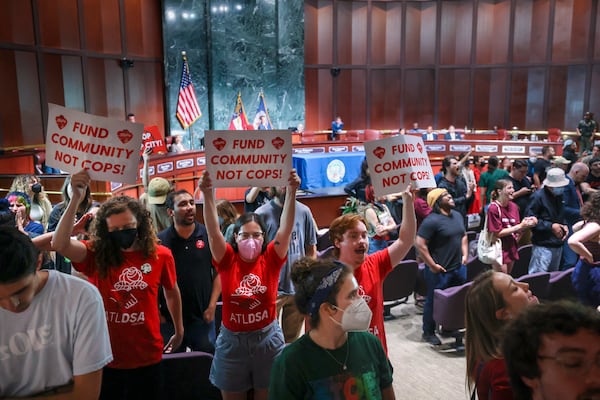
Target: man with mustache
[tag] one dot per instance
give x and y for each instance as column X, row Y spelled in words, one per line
column 198, row 281
column 552, row 352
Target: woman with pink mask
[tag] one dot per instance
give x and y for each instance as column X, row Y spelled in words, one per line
column 492, row 300
column 250, row 337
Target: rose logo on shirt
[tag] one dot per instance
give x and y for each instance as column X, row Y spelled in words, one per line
column 131, row 278
column 361, row 293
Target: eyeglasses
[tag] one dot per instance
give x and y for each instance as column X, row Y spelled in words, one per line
column 254, row 235
column 574, row 362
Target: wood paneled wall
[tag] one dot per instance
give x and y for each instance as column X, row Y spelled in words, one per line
column 478, row 63
column 70, row 52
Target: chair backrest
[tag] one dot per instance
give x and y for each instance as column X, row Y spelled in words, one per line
column 539, row 283
column 185, row 376
column 412, row 254
column 561, row 286
column 401, row 281
column 323, row 239
column 327, row 253
column 449, row 306
column 475, row 267
column 521, row 266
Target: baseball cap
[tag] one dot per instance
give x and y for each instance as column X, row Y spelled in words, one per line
column 560, row 160
column 567, row 143
column 158, row 188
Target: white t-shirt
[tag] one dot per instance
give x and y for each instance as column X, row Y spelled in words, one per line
column 62, row 334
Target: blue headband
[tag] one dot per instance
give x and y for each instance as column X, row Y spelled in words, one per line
column 324, row 289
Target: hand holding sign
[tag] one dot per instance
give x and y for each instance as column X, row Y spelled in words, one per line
column 397, row 162
column 79, row 184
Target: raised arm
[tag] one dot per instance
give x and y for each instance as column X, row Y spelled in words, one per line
column 216, row 240
column 286, row 225
column 72, row 249
column 408, row 229
column 588, row 231
column 145, row 157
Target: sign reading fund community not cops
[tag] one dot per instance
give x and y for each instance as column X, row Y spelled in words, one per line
column 108, row 149
column 398, row 161
column 248, row 158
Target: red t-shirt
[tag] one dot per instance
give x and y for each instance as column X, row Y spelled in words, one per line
column 505, row 217
column 370, row 276
column 493, row 382
column 130, row 294
column 249, row 290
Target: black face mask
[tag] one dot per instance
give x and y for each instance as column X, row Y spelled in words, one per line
column 36, row 187
column 124, row 238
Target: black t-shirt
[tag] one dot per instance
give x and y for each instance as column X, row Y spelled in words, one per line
column 540, row 167
column 444, row 238
column 195, row 272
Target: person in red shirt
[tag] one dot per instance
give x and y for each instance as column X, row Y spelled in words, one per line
column 125, row 262
column 250, row 337
column 492, row 300
column 350, row 237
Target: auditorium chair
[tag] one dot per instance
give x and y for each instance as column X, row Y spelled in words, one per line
column 521, row 266
column 553, row 134
column 475, row 267
column 398, row 285
column 449, row 312
column 539, row 284
column 561, row 286
column 325, row 254
column 185, row 376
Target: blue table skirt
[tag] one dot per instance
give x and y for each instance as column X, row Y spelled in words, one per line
column 320, row 170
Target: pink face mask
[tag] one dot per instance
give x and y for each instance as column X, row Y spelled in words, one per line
column 250, row 248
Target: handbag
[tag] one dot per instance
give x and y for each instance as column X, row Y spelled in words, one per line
column 489, row 251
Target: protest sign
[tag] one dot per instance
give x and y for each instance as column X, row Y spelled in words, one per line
column 248, row 158
column 397, row 161
column 107, row 148
column 153, row 139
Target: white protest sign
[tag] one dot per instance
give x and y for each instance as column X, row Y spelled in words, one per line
column 248, row 158
column 397, row 161
column 108, row 148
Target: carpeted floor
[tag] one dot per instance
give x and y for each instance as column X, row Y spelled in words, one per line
column 422, row 372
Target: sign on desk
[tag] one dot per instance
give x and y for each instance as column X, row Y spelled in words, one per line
column 398, row 161
column 248, row 158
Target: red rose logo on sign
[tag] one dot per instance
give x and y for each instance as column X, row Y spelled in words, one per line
column 379, row 152
column 420, row 148
column 219, row 144
column 61, row 121
column 278, row 142
column 125, row 136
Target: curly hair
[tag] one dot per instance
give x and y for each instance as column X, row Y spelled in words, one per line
column 523, row 337
column 591, row 208
column 307, row 274
column 107, row 252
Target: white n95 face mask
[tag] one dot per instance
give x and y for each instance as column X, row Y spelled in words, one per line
column 357, row 316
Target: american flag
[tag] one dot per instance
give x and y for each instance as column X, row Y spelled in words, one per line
column 188, row 110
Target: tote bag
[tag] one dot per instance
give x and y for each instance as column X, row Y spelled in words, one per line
column 489, row 251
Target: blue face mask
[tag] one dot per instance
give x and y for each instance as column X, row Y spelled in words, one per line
column 557, row 191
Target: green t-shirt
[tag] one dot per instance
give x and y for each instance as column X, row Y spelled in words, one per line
column 305, row 370
column 488, row 181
